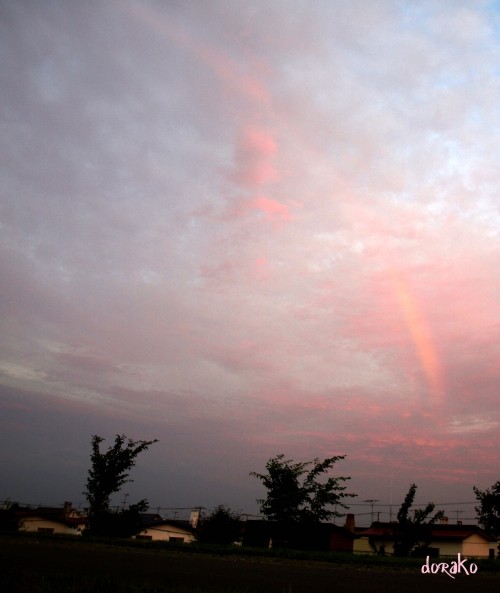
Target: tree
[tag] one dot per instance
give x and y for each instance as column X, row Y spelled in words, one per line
column 294, row 493
column 222, row 526
column 109, row 471
column 488, row 511
column 413, row 532
column 9, row 515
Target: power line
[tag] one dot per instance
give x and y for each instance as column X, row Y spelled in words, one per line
column 441, row 504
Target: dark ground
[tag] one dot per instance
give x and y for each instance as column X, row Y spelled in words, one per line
column 44, row 565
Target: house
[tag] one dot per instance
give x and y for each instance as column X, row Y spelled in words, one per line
column 309, row 536
column 445, row 540
column 154, row 528
column 50, row 520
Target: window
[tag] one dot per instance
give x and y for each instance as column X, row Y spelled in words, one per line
column 177, row 540
column 46, row 530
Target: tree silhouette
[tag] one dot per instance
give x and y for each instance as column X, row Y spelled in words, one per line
column 413, row 532
column 222, row 526
column 295, row 494
column 109, row 471
column 488, row 510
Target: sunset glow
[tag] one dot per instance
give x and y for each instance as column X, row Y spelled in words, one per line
column 247, row 229
column 421, row 336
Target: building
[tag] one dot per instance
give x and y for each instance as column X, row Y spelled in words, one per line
column 154, row 528
column 52, row 520
column 308, row 536
column 445, row 540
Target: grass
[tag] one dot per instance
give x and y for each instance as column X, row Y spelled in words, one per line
column 62, row 582
column 34, row 563
column 338, row 558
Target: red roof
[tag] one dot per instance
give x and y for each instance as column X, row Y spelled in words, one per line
column 53, row 514
column 438, row 531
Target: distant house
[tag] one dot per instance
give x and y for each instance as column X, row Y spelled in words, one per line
column 445, row 540
column 53, row 520
column 313, row 536
column 154, row 528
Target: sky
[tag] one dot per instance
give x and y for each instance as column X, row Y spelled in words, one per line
column 245, row 229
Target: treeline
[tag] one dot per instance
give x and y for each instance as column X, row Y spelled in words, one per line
column 297, row 493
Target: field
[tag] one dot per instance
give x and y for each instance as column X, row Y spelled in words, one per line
column 52, row 565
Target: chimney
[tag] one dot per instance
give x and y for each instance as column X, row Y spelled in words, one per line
column 444, row 521
column 350, row 522
column 68, row 506
column 194, row 518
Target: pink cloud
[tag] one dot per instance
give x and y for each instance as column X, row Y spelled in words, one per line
column 227, row 70
column 197, row 296
column 255, row 152
column 273, row 209
column 259, row 141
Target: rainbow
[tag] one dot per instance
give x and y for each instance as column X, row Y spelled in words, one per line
column 421, row 335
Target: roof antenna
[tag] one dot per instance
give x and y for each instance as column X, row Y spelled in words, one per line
column 390, row 497
column 372, row 501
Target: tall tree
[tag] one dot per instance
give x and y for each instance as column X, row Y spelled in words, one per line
column 488, row 511
column 295, row 494
column 109, row 471
column 413, row 532
column 222, row 526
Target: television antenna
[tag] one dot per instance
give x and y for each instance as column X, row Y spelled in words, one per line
column 372, row 502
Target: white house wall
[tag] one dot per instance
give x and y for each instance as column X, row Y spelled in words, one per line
column 166, row 533
column 447, row 548
column 36, row 524
column 476, row 546
column 473, row 546
column 361, row 545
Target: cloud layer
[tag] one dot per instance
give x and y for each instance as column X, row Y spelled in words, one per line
column 247, row 229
